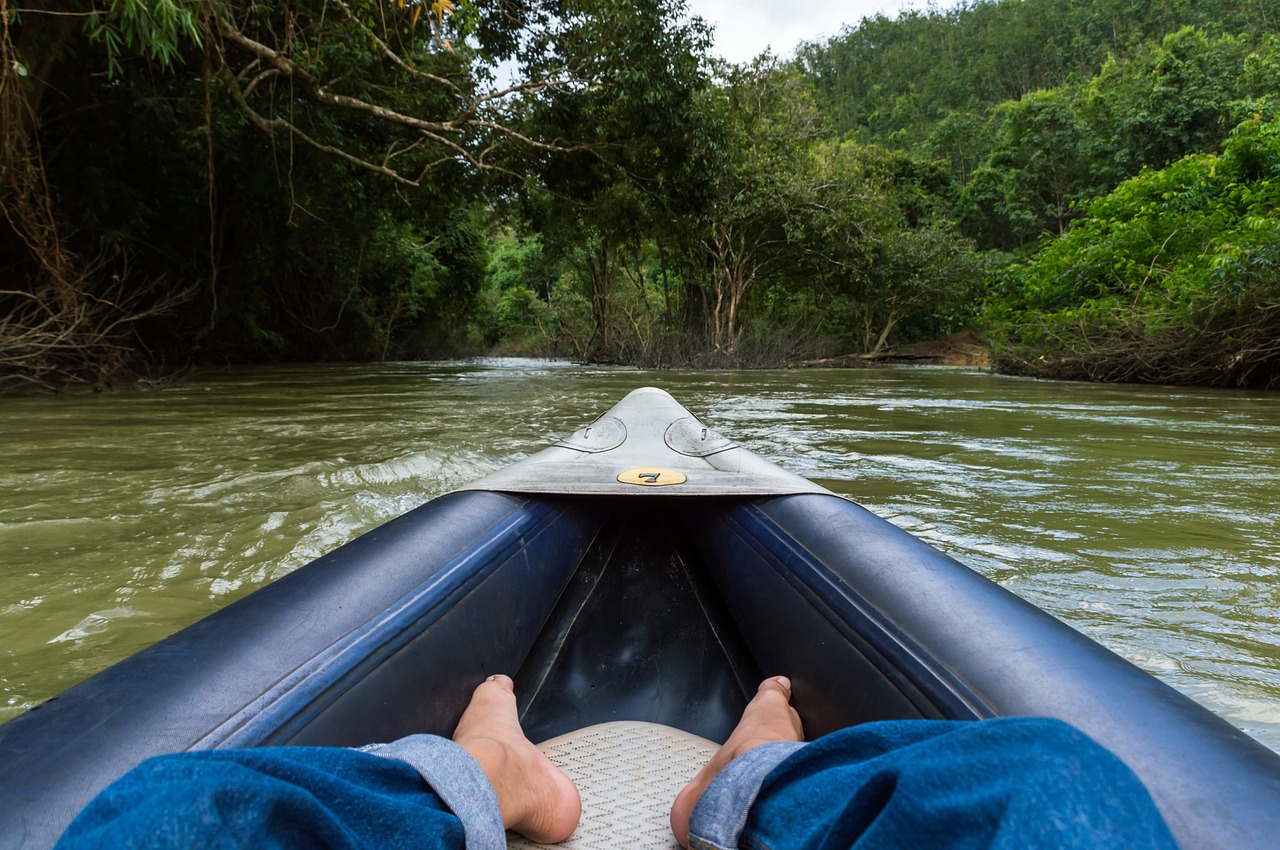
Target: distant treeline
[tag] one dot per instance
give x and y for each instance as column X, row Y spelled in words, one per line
column 1041, row 111
column 1087, row 183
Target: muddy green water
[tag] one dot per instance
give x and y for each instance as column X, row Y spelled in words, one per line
column 1145, row 517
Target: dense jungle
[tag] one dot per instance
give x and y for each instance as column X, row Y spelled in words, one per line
column 1090, row 187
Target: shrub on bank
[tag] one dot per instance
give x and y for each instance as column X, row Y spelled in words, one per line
column 1174, row 277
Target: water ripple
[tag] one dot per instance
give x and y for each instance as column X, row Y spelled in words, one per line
column 1143, row 516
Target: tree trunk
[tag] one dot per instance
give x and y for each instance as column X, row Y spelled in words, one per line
column 889, row 325
column 25, row 197
column 735, row 271
column 599, row 271
column 69, row 323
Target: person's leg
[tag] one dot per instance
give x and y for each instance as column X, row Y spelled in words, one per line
column 537, row 799
column 767, row 720
column 277, row 797
column 422, row 792
column 1010, row 783
column 1006, row 783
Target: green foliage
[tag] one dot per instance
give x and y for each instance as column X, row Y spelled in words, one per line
column 157, row 30
column 287, row 232
column 645, row 171
column 334, row 180
column 1033, row 175
column 1061, row 147
column 1170, row 99
column 891, row 80
column 1040, row 109
column 880, row 243
column 799, row 245
column 1171, row 277
column 1039, row 105
column 516, row 316
column 764, row 182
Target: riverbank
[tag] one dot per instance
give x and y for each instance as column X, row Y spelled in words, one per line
column 960, row 349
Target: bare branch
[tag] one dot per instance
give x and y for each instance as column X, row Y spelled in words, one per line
column 453, row 133
column 270, row 125
column 395, row 57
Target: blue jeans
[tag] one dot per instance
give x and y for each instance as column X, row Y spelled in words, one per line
column 1011, row 783
column 899, row 784
column 418, row 793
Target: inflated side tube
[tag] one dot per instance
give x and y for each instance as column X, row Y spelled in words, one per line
column 906, row 631
column 383, row 637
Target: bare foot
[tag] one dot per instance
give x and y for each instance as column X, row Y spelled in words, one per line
column 767, row 718
column 536, row 798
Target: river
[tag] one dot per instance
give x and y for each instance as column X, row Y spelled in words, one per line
column 1145, row 517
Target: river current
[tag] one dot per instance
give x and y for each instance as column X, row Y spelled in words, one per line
column 1145, row 517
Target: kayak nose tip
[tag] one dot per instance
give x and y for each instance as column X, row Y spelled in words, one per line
column 648, row 394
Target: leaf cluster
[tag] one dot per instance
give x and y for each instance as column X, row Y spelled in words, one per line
column 1171, row 277
column 1058, row 148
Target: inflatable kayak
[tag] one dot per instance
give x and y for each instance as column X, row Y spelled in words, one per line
column 644, row 568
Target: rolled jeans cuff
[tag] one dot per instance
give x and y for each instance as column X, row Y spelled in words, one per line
column 721, row 813
column 456, row 778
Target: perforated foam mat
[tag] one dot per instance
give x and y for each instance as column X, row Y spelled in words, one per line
column 627, row 773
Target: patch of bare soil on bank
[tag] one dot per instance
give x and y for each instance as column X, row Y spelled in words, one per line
column 961, row 349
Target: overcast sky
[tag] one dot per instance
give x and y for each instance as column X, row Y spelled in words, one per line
column 744, row 28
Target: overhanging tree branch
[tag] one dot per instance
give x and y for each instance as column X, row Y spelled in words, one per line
column 470, row 134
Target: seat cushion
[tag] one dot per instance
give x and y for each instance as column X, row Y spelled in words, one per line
column 628, row 773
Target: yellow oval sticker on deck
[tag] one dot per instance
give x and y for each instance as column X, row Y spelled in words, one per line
column 652, row 476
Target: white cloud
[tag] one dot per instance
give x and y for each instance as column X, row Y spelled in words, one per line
column 746, row 28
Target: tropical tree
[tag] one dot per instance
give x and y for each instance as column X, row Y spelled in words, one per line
column 1173, row 277
column 878, row 239
column 72, row 317
column 646, row 134
column 290, row 165
column 1033, row 175
column 761, row 182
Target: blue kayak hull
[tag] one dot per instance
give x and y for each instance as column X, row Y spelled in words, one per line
column 605, row 608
